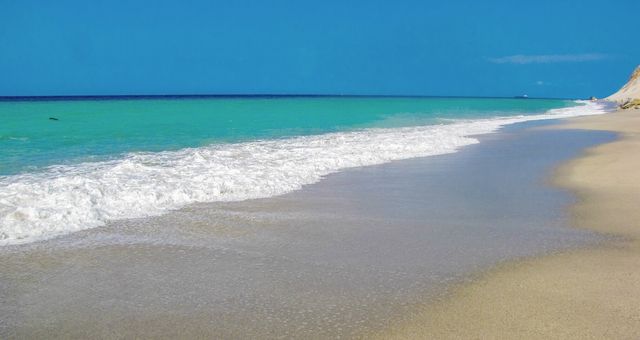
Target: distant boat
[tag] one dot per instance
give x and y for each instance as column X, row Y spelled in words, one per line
column 524, row 96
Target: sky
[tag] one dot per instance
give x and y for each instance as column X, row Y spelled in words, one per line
column 564, row 49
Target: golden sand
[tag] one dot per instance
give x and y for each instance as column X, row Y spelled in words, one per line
column 585, row 294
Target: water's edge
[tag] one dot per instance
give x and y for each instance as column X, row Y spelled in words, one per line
column 343, row 256
column 64, row 199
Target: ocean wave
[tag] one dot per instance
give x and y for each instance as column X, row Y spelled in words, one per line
column 64, row 199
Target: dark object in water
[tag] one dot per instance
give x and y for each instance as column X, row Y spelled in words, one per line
column 53, row 118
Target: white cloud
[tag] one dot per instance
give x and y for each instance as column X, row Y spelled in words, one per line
column 548, row 58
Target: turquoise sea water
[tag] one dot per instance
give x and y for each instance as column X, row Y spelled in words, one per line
column 112, row 159
column 99, row 129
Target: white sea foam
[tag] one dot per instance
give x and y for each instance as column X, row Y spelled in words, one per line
column 65, row 199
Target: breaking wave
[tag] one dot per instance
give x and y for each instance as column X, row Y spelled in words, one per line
column 64, row 199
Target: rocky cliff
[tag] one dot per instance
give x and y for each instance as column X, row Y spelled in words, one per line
column 630, row 91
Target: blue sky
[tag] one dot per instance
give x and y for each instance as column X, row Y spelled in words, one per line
column 467, row 48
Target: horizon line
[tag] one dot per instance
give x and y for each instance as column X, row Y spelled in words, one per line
column 236, row 95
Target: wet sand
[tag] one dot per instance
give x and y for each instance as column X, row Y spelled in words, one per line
column 591, row 293
column 352, row 255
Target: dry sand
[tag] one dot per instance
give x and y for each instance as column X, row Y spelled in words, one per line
column 585, row 294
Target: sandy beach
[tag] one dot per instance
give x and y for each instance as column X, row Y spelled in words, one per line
column 319, row 170
column 353, row 254
column 586, row 294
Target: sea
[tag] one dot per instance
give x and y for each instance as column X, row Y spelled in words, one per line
column 74, row 163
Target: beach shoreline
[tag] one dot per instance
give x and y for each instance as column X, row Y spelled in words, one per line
column 352, row 254
column 577, row 294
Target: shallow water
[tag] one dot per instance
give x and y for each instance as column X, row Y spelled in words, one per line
column 345, row 256
column 108, row 127
column 116, row 159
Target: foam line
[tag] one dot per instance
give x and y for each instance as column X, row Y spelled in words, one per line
column 64, row 199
